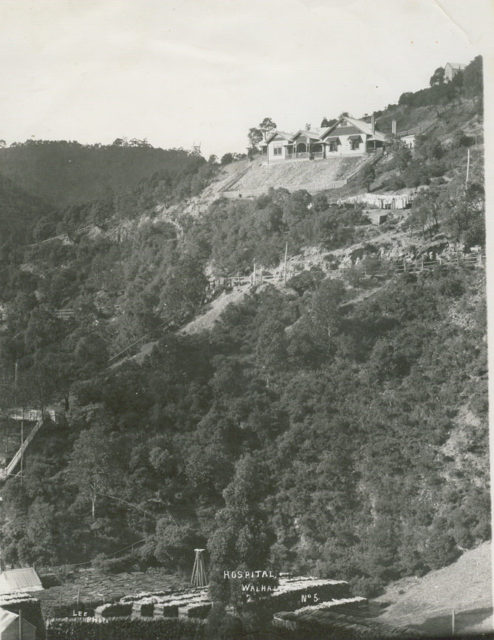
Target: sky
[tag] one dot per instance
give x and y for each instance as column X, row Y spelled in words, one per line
column 184, row 72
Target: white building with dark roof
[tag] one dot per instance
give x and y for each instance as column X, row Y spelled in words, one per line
column 451, row 69
column 347, row 137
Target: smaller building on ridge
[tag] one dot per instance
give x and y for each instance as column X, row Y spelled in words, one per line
column 451, row 69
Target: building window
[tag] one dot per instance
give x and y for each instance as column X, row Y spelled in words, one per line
column 355, row 144
column 333, row 145
column 277, row 151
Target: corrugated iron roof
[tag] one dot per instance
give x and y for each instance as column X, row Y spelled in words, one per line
column 19, row 580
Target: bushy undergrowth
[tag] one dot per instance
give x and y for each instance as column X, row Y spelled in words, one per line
column 119, row 628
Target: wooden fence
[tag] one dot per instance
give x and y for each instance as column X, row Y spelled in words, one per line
column 368, row 268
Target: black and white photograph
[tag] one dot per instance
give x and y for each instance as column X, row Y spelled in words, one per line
column 244, row 348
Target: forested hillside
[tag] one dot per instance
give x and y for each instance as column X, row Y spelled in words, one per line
column 68, row 173
column 337, row 425
column 19, row 212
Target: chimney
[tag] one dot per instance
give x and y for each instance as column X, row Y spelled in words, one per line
column 393, row 127
column 373, row 124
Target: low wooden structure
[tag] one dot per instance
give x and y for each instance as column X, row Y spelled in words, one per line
column 13, row 627
column 199, row 577
column 23, row 580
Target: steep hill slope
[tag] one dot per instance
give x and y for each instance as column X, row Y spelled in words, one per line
column 19, row 212
column 312, row 176
column 427, row 603
column 340, row 422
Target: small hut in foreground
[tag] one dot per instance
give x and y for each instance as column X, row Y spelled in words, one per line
column 13, row 627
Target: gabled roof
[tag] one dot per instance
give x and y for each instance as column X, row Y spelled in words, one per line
column 20, row 580
column 354, row 126
column 314, row 134
column 278, row 134
column 345, row 131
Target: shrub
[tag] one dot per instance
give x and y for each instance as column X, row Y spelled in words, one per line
column 394, row 183
column 366, row 586
column 460, row 139
column 115, row 565
column 451, row 287
column 125, row 628
column 198, row 610
column 437, row 169
column 165, row 610
column 68, row 610
column 50, row 580
column 306, row 280
column 114, row 610
column 416, row 174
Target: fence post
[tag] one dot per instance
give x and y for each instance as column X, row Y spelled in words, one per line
column 453, row 622
column 422, row 265
column 404, row 265
column 479, row 259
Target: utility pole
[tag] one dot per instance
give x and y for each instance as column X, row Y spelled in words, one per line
column 284, row 266
column 468, row 168
column 22, row 446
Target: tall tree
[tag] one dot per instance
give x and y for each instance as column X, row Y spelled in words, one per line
column 255, row 136
column 267, row 126
column 437, row 77
column 91, row 464
column 242, row 539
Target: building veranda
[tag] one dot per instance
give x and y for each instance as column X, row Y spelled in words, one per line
column 347, row 137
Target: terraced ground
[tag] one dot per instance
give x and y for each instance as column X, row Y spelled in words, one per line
column 90, row 585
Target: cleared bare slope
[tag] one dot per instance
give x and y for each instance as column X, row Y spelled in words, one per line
column 303, row 174
column 206, row 321
column 427, row 603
